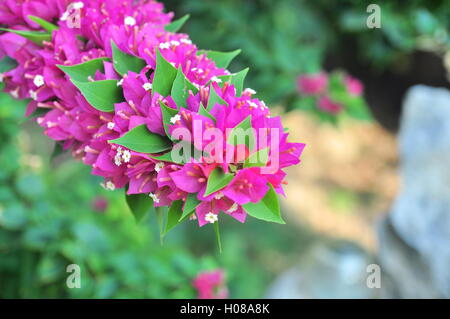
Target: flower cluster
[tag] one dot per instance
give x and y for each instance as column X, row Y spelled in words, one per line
column 317, row 85
column 210, row 285
column 114, row 83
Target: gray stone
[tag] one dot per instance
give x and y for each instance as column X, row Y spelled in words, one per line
column 421, row 212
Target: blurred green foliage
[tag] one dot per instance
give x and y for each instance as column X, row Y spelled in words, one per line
column 283, row 39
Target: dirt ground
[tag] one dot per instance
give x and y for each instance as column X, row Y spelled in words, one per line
column 347, row 178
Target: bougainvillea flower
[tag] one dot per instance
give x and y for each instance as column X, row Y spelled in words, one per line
column 354, row 86
column 327, row 105
column 113, row 83
column 211, row 285
column 312, row 84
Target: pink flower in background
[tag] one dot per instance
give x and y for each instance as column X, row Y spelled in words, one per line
column 354, row 86
column 327, row 105
column 211, row 285
column 312, row 84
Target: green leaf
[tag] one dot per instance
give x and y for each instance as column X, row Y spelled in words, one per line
column 181, row 87
column 140, row 139
column 217, row 232
column 176, row 24
column 190, row 205
column 139, row 205
column 57, row 150
column 34, row 36
column 102, row 95
column 238, row 81
column 204, row 112
column 167, row 114
column 243, row 127
column 124, row 62
column 268, row 209
column 81, row 72
column 214, row 99
column 166, row 157
column 165, row 74
column 217, row 180
column 7, row 64
column 222, row 59
column 49, row 27
column 173, row 216
column 258, row 159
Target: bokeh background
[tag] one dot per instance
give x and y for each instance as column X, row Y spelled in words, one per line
column 54, row 213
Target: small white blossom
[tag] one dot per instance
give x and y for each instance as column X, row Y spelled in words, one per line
column 147, row 86
column 119, row 83
column 118, row 157
column 108, row 185
column 64, row 16
column 154, row 197
column 211, row 218
column 186, row 41
column 252, row 104
column 110, row 125
column 159, row 166
column 250, row 91
column 33, row 94
column 175, row 118
column 164, row 45
column 199, row 71
column 38, row 80
column 126, row 156
column 263, row 105
column 219, row 195
column 216, row 79
column 174, row 43
column 129, row 21
column 78, row 5
column 233, row 208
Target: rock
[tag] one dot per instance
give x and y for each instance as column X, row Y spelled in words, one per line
column 421, row 212
column 415, row 240
column 337, row 271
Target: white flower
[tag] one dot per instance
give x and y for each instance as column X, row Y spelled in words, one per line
column 211, row 218
column 164, row 45
column 174, row 43
column 263, row 105
column 216, row 79
column 108, row 185
column 15, row 93
column 129, row 21
column 64, row 16
column 118, row 157
column 110, row 125
column 147, row 86
column 159, row 166
column 33, row 94
column 233, row 208
column 175, row 118
column 250, row 91
column 154, row 197
column 186, row 41
column 126, row 156
column 78, row 5
column 119, row 83
column 219, row 195
column 38, row 80
column 199, row 71
column 252, row 104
